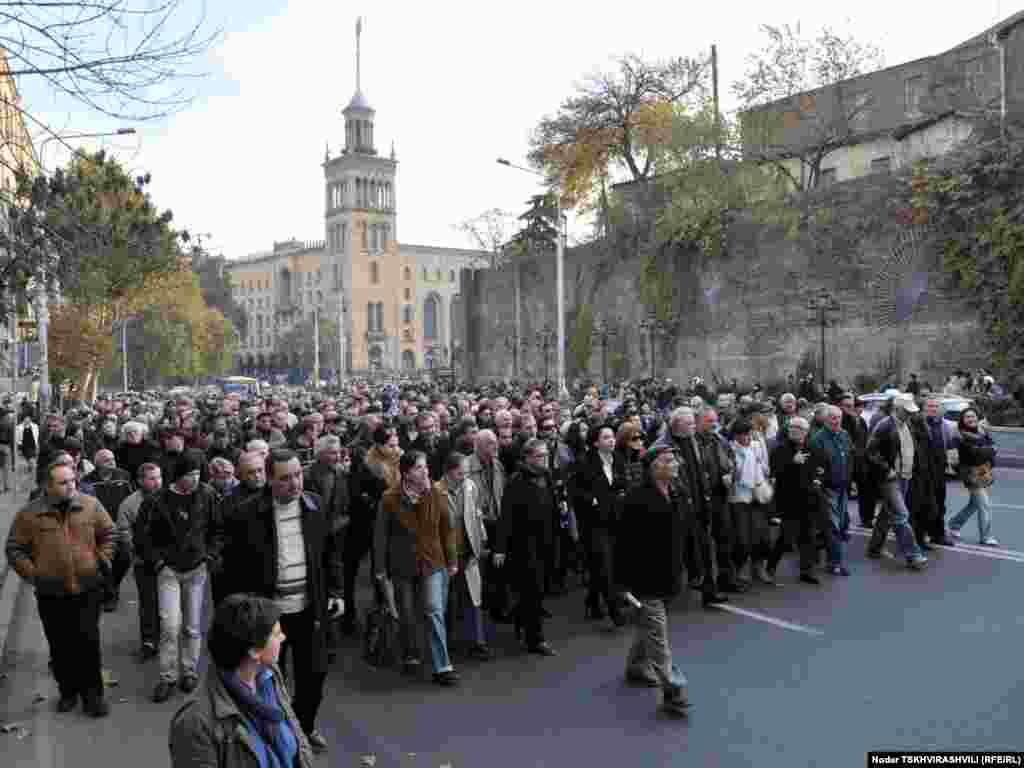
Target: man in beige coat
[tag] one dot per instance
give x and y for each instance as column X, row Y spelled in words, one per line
column 467, row 523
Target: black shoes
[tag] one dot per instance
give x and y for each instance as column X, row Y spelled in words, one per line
column 67, row 703
column 732, row 587
column 148, row 651
column 542, row 649
column 481, row 653
column 712, row 599
column 809, row 578
column 317, row 741
column 95, row 705
column 446, row 679
column 188, row 683
column 163, row 691
column 593, row 610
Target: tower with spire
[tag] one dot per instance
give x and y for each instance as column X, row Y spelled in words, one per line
column 361, row 232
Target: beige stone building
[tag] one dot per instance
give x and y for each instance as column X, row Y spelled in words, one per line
column 393, row 301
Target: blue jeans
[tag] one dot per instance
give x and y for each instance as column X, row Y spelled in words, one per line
column 435, row 600
column 978, row 502
column 839, row 530
column 895, row 513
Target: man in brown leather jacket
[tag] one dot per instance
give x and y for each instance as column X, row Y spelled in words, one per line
column 63, row 543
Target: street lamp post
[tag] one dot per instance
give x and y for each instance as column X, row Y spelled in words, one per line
column 604, row 332
column 657, row 328
column 559, row 278
column 105, row 134
column 820, row 307
column 512, row 343
column 545, row 339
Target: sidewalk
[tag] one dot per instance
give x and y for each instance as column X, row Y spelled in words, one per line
column 9, row 581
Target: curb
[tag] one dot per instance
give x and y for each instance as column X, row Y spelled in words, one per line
column 1006, row 429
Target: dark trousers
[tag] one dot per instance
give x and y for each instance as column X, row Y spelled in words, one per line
column 495, row 579
column 867, row 495
column 120, row 567
column 721, row 532
column 149, row 608
column 358, row 543
column 750, row 531
column 528, row 611
column 937, row 531
column 599, row 563
column 72, row 627
column 305, row 638
column 564, row 554
column 799, row 531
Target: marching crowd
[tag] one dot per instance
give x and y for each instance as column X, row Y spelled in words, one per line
column 469, row 508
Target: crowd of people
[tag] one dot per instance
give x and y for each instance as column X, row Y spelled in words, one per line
column 470, row 508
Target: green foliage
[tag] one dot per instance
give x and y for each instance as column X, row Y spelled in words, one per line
column 581, row 343
column 298, row 346
column 656, row 292
column 974, row 200
column 215, row 284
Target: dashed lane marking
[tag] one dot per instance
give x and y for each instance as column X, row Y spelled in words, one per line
column 769, row 619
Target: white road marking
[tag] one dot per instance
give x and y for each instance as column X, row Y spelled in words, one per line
column 992, row 553
column 769, row 619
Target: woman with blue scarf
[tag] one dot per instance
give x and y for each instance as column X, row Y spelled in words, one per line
column 243, row 718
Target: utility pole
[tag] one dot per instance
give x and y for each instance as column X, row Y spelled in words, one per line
column 819, row 306
column 316, row 348
column 124, row 354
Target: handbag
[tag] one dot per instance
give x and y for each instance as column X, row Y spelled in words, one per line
column 980, row 476
column 764, row 492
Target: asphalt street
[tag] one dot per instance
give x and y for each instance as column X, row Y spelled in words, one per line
column 795, row 675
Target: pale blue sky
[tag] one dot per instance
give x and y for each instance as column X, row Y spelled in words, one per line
column 454, row 84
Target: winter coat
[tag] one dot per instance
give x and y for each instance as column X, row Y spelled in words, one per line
column 469, row 519
column 596, row 501
column 650, row 542
column 410, row 542
column 976, row 448
column 526, row 529
column 62, row 553
column 331, row 485
column 796, row 495
column 250, row 557
column 183, row 543
column 211, row 731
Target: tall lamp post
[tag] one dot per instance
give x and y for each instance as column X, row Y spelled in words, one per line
column 604, row 332
column 512, row 343
column 545, row 340
column 821, row 308
column 559, row 277
column 657, row 328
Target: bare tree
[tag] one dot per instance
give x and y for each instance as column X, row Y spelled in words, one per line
column 798, row 104
column 490, row 232
column 122, row 58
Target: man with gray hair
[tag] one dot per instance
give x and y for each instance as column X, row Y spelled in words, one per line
column 833, row 449
column 891, row 454
column 487, row 472
column 681, row 436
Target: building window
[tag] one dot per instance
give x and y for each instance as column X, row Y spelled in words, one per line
column 437, row 275
column 914, row 95
column 408, row 294
column 374, row 273
column 827, row 177
column 334, row 275
column 451, row 276
column 881, row 165
column 860, row 111
column 409, row 360
column 407, row 273
column 363, row 236
column 974, row 77
column 425, row 277
column 430, row 314
column 407, row 314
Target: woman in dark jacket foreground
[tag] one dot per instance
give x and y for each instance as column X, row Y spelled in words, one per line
column 976, row 450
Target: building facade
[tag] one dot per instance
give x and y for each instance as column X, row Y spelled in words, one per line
column 890, row 119
column 392, row 302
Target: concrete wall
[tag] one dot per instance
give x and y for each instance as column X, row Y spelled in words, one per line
column 745, row 315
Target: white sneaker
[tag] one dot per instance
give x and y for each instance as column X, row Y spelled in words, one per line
column 991, row 541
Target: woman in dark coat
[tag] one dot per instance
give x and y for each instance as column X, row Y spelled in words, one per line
column 797, row 475
column 525, row 535
column 629, row 445
column 598, row 487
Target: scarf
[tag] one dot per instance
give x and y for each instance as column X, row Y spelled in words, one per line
column 267, row 719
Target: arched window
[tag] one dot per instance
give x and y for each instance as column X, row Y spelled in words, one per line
column 407, row 274
column 409, row 360
column 374, row 272
column 371, row 316
column 430, row 312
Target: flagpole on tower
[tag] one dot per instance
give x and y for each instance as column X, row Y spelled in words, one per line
column 359, row 32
